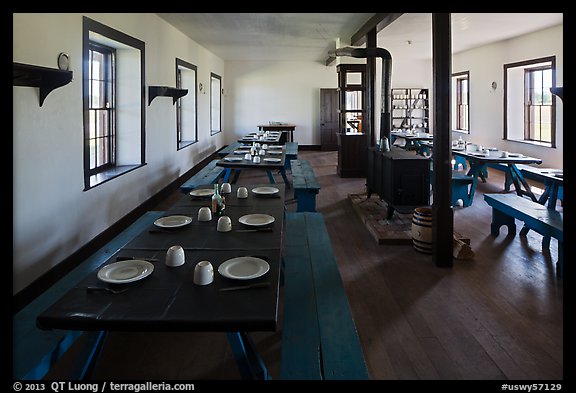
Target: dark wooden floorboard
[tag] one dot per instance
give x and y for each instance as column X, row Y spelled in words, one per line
column 496, row 317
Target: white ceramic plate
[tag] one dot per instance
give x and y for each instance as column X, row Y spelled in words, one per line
column 516, row 155
column 233, row 158
column 239, row 151
column 272, row 160
column 265, row 190
column 125, row 271
column 275, row 147
column 243, row 268
column 275, row 152
column 256, row 220
column 202, row 192
column 173, row 221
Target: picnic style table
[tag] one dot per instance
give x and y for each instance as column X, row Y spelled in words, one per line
column 167, row 300
column 478, row 166
column 274, row 159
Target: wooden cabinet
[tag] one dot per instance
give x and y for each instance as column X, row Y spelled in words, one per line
column 401, row 178
column 352, row 141
column 410, row 109
column 352, row 153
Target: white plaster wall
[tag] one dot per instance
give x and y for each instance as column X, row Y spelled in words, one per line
column 53, row 216
column 486, row 64
column 258, row 92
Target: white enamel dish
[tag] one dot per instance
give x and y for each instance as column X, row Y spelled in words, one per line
column 125, row 271
column 256, row 220
column 173, row 221
column 265, row 190
column 243, row 268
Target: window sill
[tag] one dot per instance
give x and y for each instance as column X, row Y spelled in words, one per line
column 103, row 177
column 184, row 144
column 533, row 143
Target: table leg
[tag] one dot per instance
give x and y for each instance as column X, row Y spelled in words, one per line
column 270, row 176
column 520, row 182
column 550, row 194
column 475, row 171
column 283, row 174
column 249, row 362
column 227, row 175
column 89, row 353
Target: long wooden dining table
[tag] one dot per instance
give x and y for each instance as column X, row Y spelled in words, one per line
column 478, row 166
column 167, row 300
column 273, row 160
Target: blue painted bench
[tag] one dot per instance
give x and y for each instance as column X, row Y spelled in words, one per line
column 460, row 187
column 228, row 149
column 290, row 154
column 305, row 185
column 319, row 338
column 506, row 208
column 35, row 351
column 207, row 175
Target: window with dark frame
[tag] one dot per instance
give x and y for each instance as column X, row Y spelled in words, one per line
column 462, row 100
column 187, row 106
column 215, row 103
column 538, row 104
column 114, row 126
column 101, row 107
column 529, row 106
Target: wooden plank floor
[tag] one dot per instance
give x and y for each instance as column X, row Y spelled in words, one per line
column 496, row 317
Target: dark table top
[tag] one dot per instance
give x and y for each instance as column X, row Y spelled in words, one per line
column 167, row 299
column 272, row 138
column 495, row 158
column 249, row 164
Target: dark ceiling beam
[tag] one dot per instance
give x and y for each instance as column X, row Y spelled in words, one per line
column 378, row 21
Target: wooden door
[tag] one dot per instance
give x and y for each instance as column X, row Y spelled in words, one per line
column 329, row 119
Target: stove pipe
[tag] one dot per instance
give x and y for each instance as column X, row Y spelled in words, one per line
column 385, row 115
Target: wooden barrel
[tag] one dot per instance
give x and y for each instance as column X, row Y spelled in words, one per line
column 422, row 229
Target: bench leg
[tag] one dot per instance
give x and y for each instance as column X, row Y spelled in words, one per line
column 306, row 201
column 499, row 219
column 249, row 362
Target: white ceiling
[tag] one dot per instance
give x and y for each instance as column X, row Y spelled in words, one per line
column 309, row 36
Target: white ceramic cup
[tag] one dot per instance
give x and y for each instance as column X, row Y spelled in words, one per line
column 226, row 188
column 175, row 256
column 242, row 192
column 265, row 146
column 204, row 214
column 224, row 224
column 504, row 154
column 262, row 152
column 480, row 147
column 257, row 145
column 248, row 156
column 203, row 273
column 256, row 159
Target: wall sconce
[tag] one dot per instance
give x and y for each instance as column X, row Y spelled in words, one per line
column 201, row 88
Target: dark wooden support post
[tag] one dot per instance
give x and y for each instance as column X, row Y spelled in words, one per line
column 442, row 213
column 368, row 121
